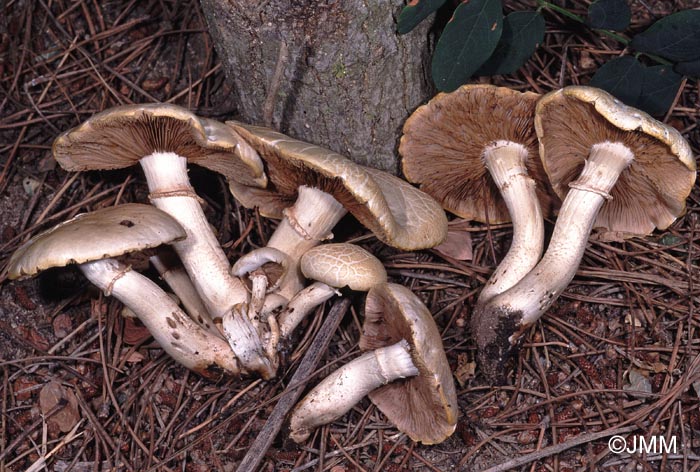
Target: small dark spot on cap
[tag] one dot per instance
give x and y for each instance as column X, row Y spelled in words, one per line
column 127, row 223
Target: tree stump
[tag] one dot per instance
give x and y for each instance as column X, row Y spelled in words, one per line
column 330, row 72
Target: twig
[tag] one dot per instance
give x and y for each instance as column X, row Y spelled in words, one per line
column 557, row 448
column 259, row 448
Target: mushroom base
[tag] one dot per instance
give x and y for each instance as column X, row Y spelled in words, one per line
column 177, row 334
column 493, row 327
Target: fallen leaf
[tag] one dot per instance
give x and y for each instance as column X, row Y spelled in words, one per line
column 67, row 415
column 134, row 332
column 23, row 388
column 465, row 370
column 132, row 357
column 62, row 325
column 457, row 245
column 637, row 382
column 34, row 337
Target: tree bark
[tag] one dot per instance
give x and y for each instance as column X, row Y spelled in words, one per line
column 330, row 72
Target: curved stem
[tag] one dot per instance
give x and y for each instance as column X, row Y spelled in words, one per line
column 342, row 389
column 175, row 275
column 305, row 224
column 301, row 305
column 177, row 334
column 506, row 164
column 505, row 317
column 200, row 252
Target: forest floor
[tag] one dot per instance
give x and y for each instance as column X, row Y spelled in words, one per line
column 628, row 321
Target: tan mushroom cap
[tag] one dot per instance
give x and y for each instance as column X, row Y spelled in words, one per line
column 120, row 136
column 396, row 212
column 342, row 264
column 104, row 233
column 425, row 406
column 651, row 192
column 443, row 145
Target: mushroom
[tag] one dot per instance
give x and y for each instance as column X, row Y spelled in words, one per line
column 625, row 172
column 311, row 188
column 475, row 151
column 265, row 267
column 171, row 270
column 332, row 266
column 403, row 342
column 163, row 139
column 91, row 240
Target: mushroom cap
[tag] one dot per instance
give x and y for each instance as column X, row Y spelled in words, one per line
column 396, row 212
column 443, row 144
column 108, row 232
column 424, row 406
column 342, row 264
column 120, row 136
column 651, row 192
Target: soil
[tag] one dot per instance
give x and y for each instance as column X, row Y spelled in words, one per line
column 628, row 321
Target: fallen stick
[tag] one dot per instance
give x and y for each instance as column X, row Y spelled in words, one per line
column 313, row 355
column 557, row 448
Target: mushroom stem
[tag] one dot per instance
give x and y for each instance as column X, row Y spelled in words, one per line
column 176, row 333
column 246, row 341
column 342, row 389
column 200, row 252
column 505, row 161
column 305, row 224
column 179, row 281
column 505, row 317
column 301, row 305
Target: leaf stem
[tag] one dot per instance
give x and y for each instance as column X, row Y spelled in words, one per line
column 580, row 19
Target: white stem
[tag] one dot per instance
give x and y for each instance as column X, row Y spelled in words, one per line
column 177, row 334
column 301, row 305
column 258, row 290
column 200, row 252
column 341, row 390
column 506, row 316
column 506, row 163
column 179, row 281
column 305, row 224
column 246, row 342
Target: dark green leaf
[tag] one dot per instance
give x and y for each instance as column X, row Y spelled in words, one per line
column 415, row 12
column 609, row 14
column 690, row 68
column 675, row 37
column 466, row 42
column 622, row 77
column 523, row 31
column 659, row 87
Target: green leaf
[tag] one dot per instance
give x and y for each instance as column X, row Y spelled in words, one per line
column 415, row 12
column 612, row 15
column 622, row 77
column 659, row 88
column 690, row 68
column 675, row 37
column 466, row 42
column 523, row 31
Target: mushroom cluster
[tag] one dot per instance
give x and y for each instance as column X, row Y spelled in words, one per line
column 615, row 169
column 232, row 319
